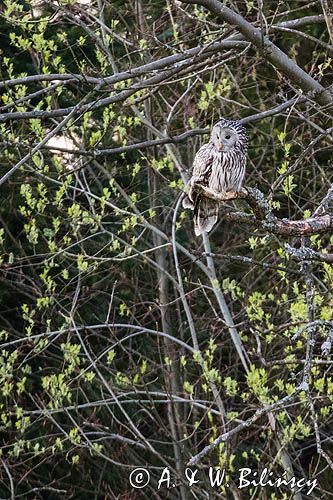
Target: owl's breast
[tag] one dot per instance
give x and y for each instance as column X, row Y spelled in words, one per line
column 227, row 172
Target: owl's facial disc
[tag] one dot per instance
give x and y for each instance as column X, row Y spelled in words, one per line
column 224, row 139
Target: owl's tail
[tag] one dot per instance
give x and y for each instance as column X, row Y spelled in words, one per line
column 205, row 215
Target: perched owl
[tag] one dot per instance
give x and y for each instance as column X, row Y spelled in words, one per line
column 220, row 166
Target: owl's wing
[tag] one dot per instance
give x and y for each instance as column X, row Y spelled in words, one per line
column 202, row 163
column 202, row 167
column 205, row 210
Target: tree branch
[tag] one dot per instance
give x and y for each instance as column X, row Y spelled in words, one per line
column 306, row 253
column 263, row 216
column 247, row 423
column 170, row 139
column 131, row 73
column 273, row 54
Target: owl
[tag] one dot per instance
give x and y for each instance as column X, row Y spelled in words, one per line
column 220, row 166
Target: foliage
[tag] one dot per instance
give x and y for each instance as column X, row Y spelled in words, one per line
column 115, row 350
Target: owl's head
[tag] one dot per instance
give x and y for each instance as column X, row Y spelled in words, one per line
column 228, row 134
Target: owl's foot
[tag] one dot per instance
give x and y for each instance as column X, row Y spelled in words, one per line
column 197, row 180
column 209, row 192
column 215, row 195
column 195, row 188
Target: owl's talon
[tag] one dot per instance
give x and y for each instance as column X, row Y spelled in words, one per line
column 197, row 179
column 195, row 188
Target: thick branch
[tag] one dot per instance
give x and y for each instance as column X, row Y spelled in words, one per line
column 263, row 216
column 273, row 54
column 154, row 65
column 174, row 65
column 131, row 73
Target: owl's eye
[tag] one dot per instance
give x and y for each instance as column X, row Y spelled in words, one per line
column 228, row 136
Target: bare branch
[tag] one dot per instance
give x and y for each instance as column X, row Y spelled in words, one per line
column 247, row 423
column 273, row 54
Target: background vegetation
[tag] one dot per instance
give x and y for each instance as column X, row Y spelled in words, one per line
column 125, row 340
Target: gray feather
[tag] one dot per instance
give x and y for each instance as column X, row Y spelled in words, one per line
column 187, row 203
column 205, row 215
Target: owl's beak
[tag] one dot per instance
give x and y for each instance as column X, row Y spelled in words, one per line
column 221, row 147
